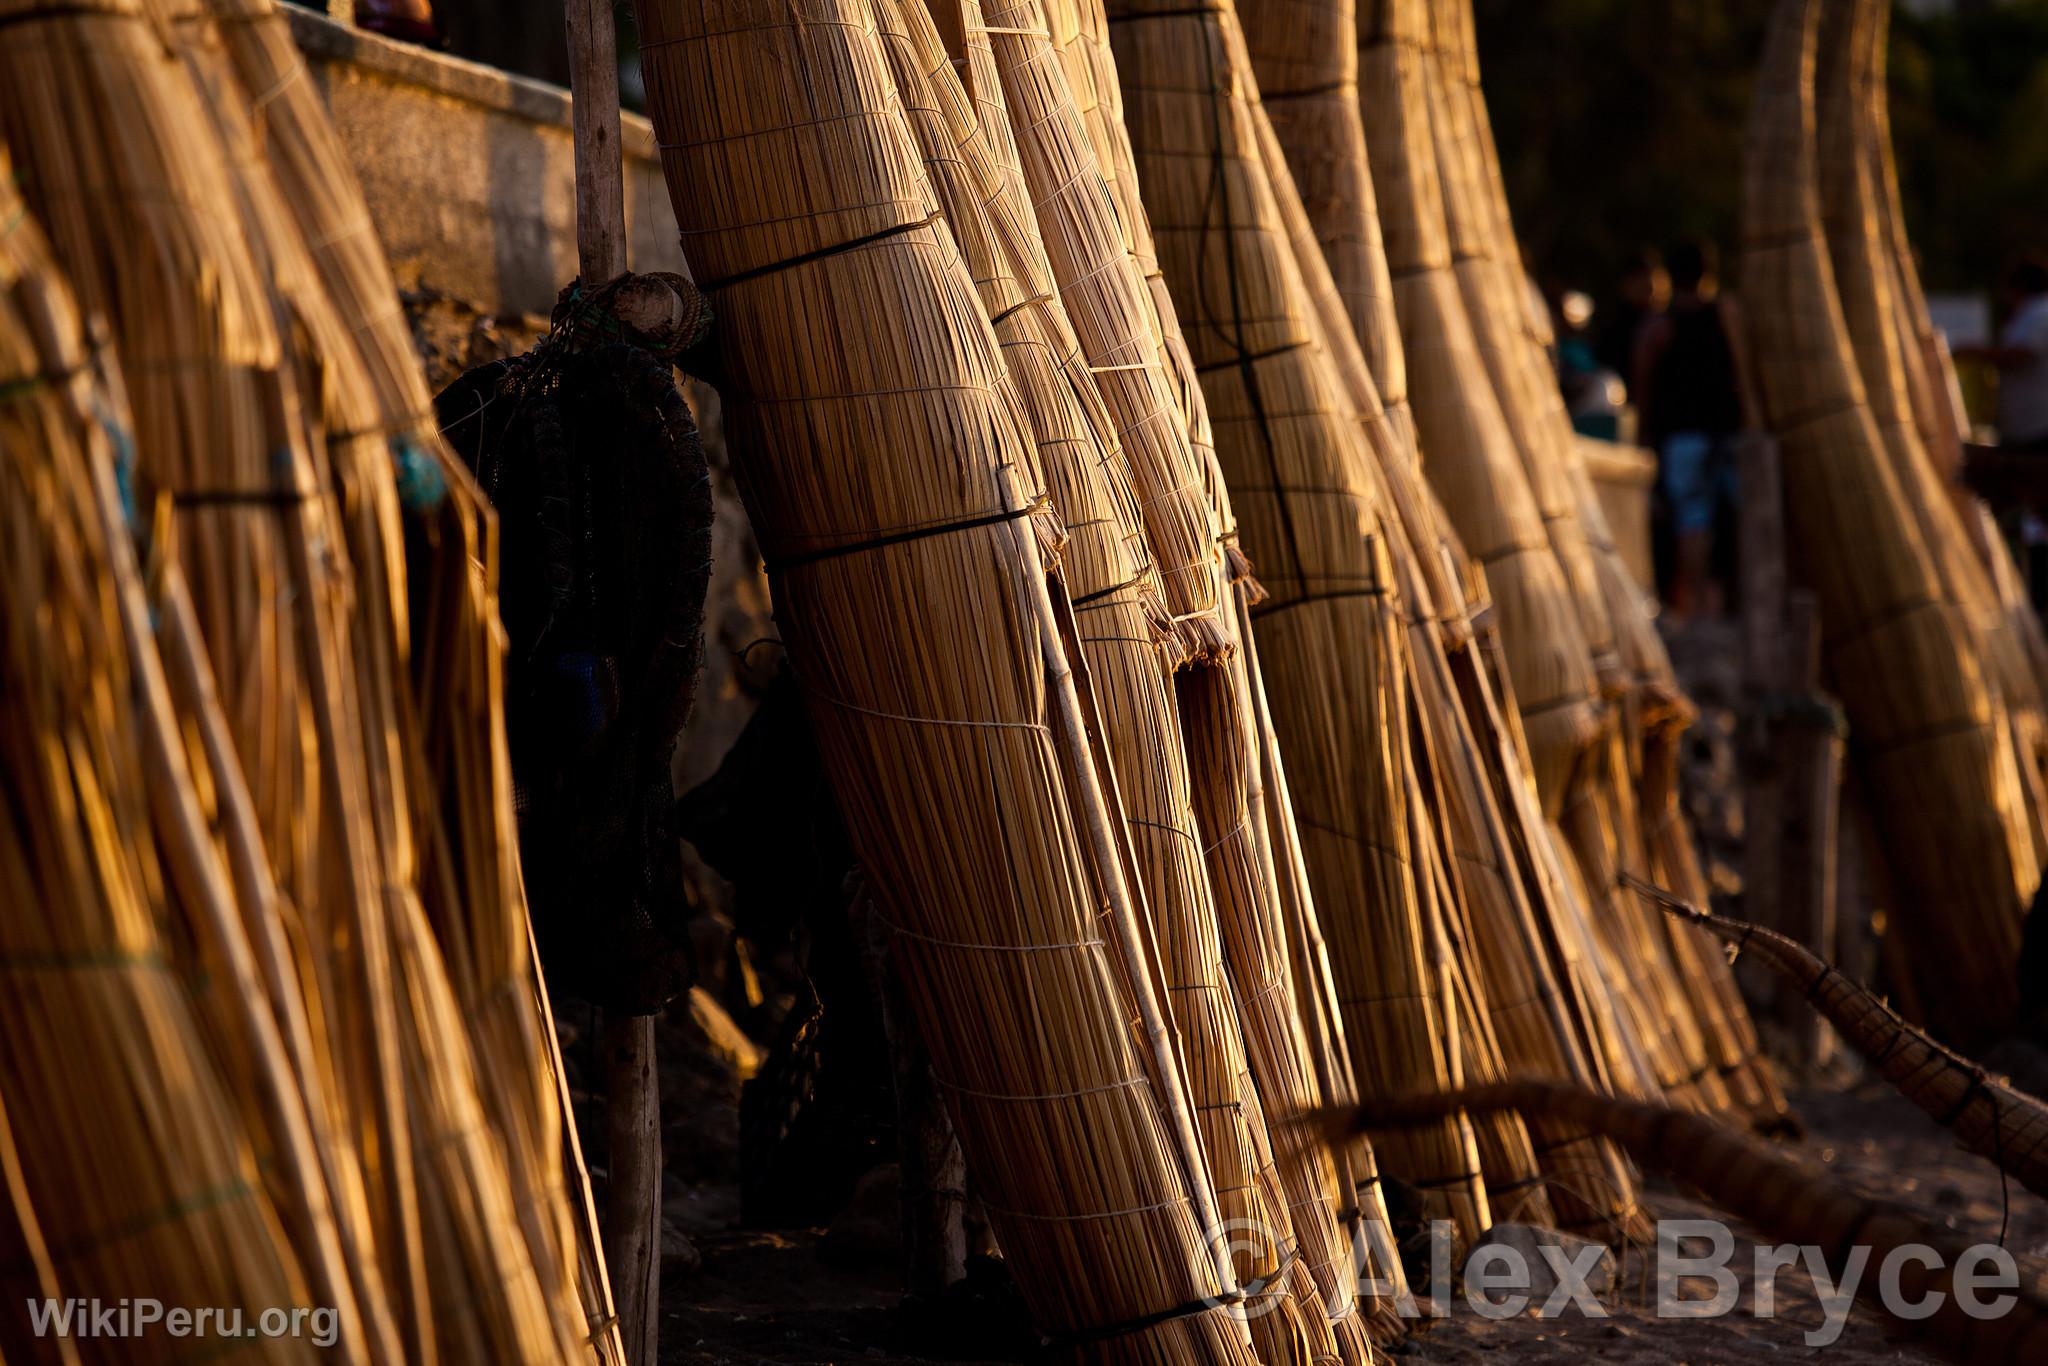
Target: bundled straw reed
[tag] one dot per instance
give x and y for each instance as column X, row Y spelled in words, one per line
column 1498, row 898
column 1988, row 1115
column 216, row 427
column 1792, row 1200
column 1861, row 251
column 1927, row 728
column 981, row 191
column 280, row 432
column 1466, row 445
column 139, row 1176
column 887, row 467
column 1487, row 263
column 1101, row 258
column 470, row 881
column 1672, row 975
column 1929, row 371
column 1299, row 474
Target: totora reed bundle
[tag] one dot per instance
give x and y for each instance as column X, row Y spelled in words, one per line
column 1654, row 712
column 1330, row 632
column 1927, row 729
column 1119, row 628
column 1097, row 256
column 1510, row 916
column 470, row 880
column 1466, row 446
column 108, row 864
column 887, row 465
column 272, row 435
column 1853, row 198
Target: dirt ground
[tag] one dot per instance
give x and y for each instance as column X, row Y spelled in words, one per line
column 804, row 1297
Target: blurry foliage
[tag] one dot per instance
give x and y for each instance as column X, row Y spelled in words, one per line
column 1620, row 124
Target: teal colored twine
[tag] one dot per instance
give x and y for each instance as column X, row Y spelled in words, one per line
column 123, row 442
column 421, row 484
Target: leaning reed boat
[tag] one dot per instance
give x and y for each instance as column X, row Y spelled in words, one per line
column 1927, row 728
column 891, row 479
column 1099, row 257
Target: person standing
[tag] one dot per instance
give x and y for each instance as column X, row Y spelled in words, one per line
column 1643, row 291
column 2021, row 357
column 1692, row 389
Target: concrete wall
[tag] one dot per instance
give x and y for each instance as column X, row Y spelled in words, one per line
column 470, row 171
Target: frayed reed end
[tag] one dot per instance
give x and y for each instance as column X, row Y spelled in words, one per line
column 1206, row 638
column 1238, row 570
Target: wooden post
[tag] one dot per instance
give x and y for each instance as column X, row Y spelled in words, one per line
column 1792, row 758
column 934, row 1174
column 632, row 1235
column 600, row 181
column 632, row 1094
column 1807, row 733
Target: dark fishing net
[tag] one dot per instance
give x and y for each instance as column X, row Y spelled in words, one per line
column 593, row 461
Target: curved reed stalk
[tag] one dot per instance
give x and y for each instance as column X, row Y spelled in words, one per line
column 1935, row 392
column 1930, row 375
column 1926, row 727
column 1987, row 1114
column 887, row 468
column 107, row 1048
column 1788, row 1199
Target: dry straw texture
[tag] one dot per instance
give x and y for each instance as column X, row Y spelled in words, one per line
column 470, row 881
column 1466, row 445
column 1927, row 730
column 110, row 1052
column 266, row 417
column 1235, row 812
column 1330, row 632
column 1503, row 905
column 1116, row 614
column 1853, row 196
column 890, row 474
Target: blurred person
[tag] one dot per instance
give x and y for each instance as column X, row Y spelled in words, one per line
column 1640, row 295
column 2021, row 358
column 1692, row 389
column 1593, row 393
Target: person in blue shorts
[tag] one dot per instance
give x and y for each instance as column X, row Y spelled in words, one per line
column 1692, row 390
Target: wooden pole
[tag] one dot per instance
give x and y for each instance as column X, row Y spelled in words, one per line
column 1792, row 758
column 632, row 1094
column 934, row 1173
column 600, row 182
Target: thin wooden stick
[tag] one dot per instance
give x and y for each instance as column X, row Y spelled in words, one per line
column 632, row 1092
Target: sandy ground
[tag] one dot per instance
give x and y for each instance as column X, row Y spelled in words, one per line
column 806, row 1297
